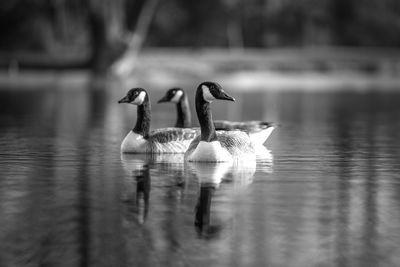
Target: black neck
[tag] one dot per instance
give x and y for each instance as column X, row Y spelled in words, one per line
column 202, row 217
column 142, row 126
column 203, row 111
column 184, row 116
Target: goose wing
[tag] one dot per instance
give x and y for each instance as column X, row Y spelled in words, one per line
column 166, row 135
column 237, row 143
column 170, row 140
column 259, row 131
column 247, row 126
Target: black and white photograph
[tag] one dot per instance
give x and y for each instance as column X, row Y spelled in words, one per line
column 187, row 133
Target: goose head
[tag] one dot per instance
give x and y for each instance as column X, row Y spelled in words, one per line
column 135, row 96
column 209, row 91
column 173, row 95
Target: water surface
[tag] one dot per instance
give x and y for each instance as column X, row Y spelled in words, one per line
column 327, row 195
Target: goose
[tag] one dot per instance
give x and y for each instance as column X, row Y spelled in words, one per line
column 137, row 167
column 210, row 177
column 137, row 183
column 179, row 97
column 212, row 145
column 141, row 140
column 259, row 131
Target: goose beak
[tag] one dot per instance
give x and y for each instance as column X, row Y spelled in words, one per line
column 162, row 100
column 223, row 96
column 124, row 100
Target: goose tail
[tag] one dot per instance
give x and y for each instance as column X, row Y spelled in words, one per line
column 259, row 137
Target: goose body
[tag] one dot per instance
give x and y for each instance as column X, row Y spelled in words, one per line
column 165, row 140
column 212, row 145
column 259, row 131
column 141, row 140
column 230, row 146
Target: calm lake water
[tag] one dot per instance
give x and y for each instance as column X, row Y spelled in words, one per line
column 327, row 195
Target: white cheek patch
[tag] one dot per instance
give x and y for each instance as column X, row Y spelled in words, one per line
column 207, row 94
column 177, row 96
column 139, row 99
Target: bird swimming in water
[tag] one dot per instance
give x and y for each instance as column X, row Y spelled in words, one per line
column 212, row 145
column 141, row 140
column 259, row 131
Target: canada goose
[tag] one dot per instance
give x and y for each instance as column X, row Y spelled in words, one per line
column 210, row 176
column 137, row 187
column 259, row 131
column 179, row 97
column 212, row 145
column 138, row 181
column 141, row 140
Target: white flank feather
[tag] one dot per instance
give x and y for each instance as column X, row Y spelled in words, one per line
column 134, row 143
column 210, row 152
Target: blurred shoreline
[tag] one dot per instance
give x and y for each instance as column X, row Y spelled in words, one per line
column 278, row 69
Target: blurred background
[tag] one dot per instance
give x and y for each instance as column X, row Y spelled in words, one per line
column 277, row 35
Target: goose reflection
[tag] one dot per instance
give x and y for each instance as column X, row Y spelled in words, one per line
column 210, row 177
column 139, row 167
column 143, row 185
column 265, row 162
